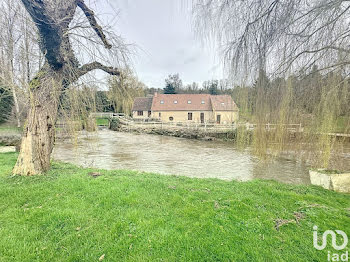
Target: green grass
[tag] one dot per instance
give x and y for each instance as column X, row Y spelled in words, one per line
column 67, row 215
column 102, row 121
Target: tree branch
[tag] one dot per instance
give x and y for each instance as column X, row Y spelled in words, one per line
column 50, row 38
column 97, row 65
column 92, row 20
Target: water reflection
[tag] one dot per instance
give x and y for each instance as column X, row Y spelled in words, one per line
column 169, row 155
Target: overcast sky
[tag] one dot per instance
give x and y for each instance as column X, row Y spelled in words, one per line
column 162, row 31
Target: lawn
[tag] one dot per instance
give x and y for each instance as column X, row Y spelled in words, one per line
column 69, row 215
column 102, row 121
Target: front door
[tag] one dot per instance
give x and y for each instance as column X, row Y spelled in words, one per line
column 202, row 118
column 218, row 119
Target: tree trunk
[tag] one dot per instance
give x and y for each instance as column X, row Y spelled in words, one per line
column 39, row 130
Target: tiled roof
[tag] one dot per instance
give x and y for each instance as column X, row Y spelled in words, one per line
column 223, row 103
column 142, row 104
column 181, row 102
column 185, row 102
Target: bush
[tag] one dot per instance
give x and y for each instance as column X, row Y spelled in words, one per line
column 6, row 102
column 114, row 123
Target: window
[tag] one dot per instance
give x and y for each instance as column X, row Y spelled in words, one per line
column 189, row 116
column 222, row 103
column 162, row 101
column 149, row 113
column 218, row 119
column 203, row 102
column 189, row 102
column 175, row 101
column 171, row 118
column 140, row 113
column 160, row 114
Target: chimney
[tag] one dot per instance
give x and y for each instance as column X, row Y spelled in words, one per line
column 155, row 94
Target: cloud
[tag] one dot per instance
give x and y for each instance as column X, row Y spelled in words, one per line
column 162, row 28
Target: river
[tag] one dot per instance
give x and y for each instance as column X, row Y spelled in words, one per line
column 178, row 156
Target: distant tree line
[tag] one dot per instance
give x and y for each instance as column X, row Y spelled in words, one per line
column 174, row 85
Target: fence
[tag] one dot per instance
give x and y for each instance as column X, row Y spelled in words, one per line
column 271, row 127
column 106, row 115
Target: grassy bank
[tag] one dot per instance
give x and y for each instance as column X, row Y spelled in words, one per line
column 69, row 215
column 102, row 121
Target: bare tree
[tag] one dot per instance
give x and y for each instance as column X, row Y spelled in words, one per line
column 19, row 54
column 56, row 26
column 10, row 40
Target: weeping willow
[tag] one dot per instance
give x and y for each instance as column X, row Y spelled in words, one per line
column 297, row 55
column 285, row 114
column 122, row 91
column 298, row 115
column 79, row 101
column 76, row 105
column 243, row 137
column 332, row 108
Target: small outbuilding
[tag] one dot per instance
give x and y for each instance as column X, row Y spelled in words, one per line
column 142, row 108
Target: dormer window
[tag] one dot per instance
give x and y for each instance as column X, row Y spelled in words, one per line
column 189, row 102
column 175, row 101
column 162, row 101
column 203, row 102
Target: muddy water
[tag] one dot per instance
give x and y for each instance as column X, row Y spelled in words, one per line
column 170, row 155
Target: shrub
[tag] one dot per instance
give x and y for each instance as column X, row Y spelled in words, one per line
column 6, row 102
column 114, row 123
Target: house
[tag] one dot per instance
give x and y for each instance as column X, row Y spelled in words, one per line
column 197, row 108
column 141, row 108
